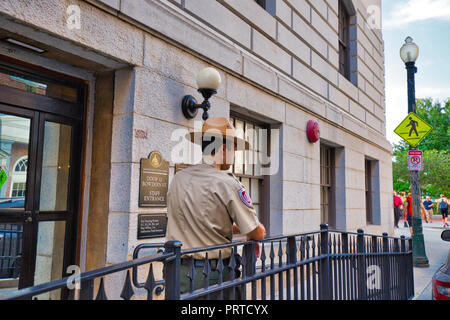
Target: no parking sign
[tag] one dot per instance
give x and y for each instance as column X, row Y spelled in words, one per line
column 415, row 160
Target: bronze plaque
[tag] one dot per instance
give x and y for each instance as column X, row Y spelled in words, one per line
column 151, row 226
column 154, row 181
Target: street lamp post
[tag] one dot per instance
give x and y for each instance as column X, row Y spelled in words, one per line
column 409, row 53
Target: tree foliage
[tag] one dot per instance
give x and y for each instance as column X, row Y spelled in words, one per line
column 435, row 178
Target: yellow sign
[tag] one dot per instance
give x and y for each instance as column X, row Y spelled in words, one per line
column 413, row 129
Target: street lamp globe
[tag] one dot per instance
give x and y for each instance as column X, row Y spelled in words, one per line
column 208, row 78
column 409, row 52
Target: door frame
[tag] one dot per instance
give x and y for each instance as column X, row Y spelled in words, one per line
column 21, row 103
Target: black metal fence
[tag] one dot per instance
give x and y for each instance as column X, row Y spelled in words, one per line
column 10, row 250
column 325, row 265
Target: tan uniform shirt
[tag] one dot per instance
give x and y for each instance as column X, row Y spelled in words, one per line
column 203, row 203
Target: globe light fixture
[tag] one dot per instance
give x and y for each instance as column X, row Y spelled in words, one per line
column 409, row 52
column 208, row 81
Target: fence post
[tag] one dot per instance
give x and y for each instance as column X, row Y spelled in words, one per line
column 386, row 271
column 324, row 276
column 410, row 268
column 172, row 270
column 362, row 271
column 403, row 269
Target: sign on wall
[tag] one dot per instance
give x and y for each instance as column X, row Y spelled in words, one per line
column 415, row 160
column 151, row 226
column 154, row 181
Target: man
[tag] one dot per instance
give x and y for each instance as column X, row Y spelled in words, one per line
column 428, row 204
column 443, row 207
column 407, row 212
column 206, row 204
column 397, row 209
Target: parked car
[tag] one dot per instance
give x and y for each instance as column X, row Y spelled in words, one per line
column 441, row 279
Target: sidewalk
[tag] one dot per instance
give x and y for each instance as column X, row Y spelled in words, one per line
column 436, row 250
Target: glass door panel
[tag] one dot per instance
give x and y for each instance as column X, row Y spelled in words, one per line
column 14, row 143
column 55, row 167
column 10, row 256
column 50, row 255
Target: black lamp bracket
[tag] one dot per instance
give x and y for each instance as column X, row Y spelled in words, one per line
column 190, row 106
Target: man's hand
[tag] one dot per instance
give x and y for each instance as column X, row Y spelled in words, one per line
column 258, row 234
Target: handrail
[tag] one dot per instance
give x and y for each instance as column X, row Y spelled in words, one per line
column 89, row 275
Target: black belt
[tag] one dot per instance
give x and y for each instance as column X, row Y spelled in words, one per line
column 201, row 263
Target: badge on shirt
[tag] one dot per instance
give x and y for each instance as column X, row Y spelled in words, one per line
column 245, row 198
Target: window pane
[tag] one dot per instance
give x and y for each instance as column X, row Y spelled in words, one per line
column 50, row 255
column 10, row 255
column 246, row 183
column 55, row 167
column 14, row 140
column 255, row 190
column 43, row 88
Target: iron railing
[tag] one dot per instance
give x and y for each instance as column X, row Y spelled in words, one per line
column 325, row 265
column 10, row 250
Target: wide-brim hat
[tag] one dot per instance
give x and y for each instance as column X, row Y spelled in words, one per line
column 218, row 127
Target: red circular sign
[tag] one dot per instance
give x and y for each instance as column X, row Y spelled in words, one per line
column 312, row 131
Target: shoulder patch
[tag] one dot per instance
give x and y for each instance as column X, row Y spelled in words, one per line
column 245, row 198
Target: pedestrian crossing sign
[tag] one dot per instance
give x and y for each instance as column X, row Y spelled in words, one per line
column 413, row 129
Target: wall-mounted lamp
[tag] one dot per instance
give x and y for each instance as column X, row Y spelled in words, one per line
column 208, row 81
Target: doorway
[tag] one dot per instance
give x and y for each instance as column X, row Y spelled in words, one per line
column 41, row 123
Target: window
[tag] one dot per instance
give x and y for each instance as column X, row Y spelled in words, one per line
column 344, row 41
column 18, row 189
column 326, row 184
column 268, row 5
column 21, row 165
column 372, row 191
column 368, row 190
column 246, row 168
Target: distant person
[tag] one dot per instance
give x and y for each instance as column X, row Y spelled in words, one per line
column 428, row 204
column 407, row 212
column 423, row 212
column 443, row 207
column 397, row 209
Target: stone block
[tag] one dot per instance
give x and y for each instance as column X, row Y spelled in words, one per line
column 310, row 79
column 122, row 138
column 302, row 7
column 255, row 14
column 338, row 98
column 255, row 100
column 119, row 194
column 176, row 64
column 324, row 68
column 117, row 248
column 271, row 52
column 283, row 12
column 222, row 19
column 260, row 73
column 292, row 43
column 304, row 30
column 324, row 29
column 157, row 16
column 99, row 30
column 301, row 97
column 357, row 111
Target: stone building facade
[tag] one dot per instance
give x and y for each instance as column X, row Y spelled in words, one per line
column 282, row 63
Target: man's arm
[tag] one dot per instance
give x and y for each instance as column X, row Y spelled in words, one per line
column 259, row 233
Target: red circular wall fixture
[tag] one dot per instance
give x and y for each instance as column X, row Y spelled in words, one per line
column 312, row 131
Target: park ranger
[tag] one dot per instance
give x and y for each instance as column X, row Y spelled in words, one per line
column 207, row 204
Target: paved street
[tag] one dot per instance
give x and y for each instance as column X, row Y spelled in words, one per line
column 436, row 250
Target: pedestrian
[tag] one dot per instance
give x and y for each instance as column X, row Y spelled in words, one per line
column 422, row 211
column 443, row 207
column 407, row 212
column 397, row 209
column 428, row 204
column 207, row 204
